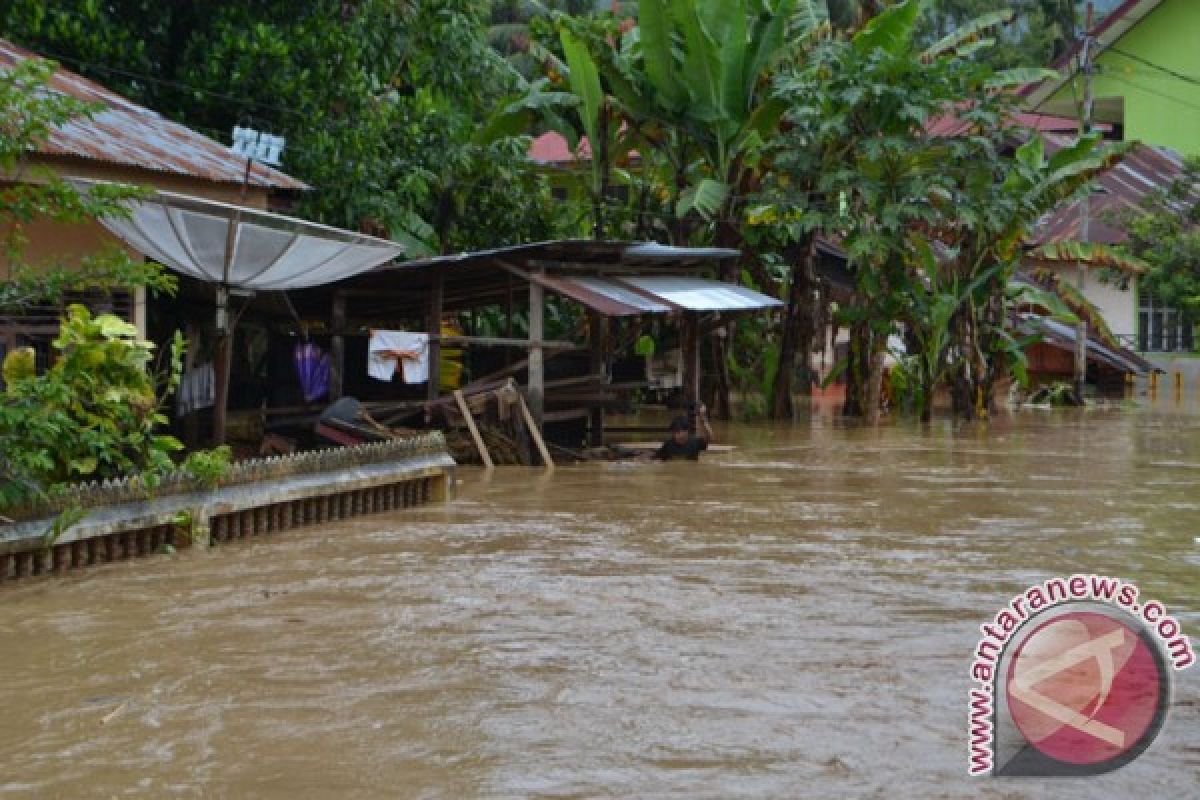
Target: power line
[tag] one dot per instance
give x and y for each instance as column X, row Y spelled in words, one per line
column 1158, row 67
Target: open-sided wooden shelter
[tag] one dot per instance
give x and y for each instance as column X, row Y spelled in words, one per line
column 610, row 280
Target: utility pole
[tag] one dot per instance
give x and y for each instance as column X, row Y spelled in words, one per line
column 1086, row 69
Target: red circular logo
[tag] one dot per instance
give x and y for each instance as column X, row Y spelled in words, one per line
column 1085, row 688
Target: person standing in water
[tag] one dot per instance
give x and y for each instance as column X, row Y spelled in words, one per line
column 684, row 443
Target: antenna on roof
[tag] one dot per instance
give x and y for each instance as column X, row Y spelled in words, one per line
column 255, row 146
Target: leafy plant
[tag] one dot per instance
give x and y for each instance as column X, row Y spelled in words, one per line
column 208, row 466
column 94, row 414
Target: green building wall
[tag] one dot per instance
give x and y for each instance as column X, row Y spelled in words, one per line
column 1160, row 108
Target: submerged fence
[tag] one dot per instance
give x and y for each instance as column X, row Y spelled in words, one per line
column 262, row 497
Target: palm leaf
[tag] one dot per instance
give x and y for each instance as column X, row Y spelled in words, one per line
column 1092, row 254
column 705, row 198
column 982, row 27
column 655, row 30
column 891, row 31
column 585, row 83
column 1017, row 77
column 1079, row 305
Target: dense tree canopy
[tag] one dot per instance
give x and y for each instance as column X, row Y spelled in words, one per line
column 378, row 100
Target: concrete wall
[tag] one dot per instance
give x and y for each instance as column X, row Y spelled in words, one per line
column 1118, row 306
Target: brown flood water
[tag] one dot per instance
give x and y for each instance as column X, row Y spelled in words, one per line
column 793, row 619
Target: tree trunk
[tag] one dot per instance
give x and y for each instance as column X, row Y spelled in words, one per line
column 875, row 379
column 798, row 326
column 857, row 369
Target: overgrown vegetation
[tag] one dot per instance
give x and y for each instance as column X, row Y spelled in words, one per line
column 755, row 124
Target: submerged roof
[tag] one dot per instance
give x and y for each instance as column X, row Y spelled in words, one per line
column 130, row 135
column 1057, row 334
column 269, row 251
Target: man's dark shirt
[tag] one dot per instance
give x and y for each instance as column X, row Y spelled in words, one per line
column 691, row 450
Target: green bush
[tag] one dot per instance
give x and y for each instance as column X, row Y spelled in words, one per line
column 93, row 415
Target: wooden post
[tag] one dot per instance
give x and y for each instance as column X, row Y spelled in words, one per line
column 691, row 359
column 537, row 376
column 509, row 316
column 475, row 437
column 337, row 348
column 598, row 327
column 222, row 361
column 535, row 433
column 435, row 332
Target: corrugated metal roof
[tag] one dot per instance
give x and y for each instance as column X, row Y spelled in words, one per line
column 1057, row 334
column 127, row 134
column 632, row 295
column 701, row 294
column 607, row 296
column 581, row 251
column 1143, row 171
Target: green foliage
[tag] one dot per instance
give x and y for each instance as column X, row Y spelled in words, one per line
column 379, row 101
column 209, row 466
column 1164, row 232
column 94, row 414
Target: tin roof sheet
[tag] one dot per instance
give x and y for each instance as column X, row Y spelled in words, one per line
column 1143, row 171
column 130, row 135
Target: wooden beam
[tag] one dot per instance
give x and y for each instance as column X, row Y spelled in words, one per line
column 535, row 432
column 475, row 437
column 537, row 376
column 222, row 364
column 598, row 335
column 337, row 348
column 502, row 341
column 691, row 359
column 435, row 335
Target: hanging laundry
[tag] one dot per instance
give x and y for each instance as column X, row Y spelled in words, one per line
column 411, row 350
column 197, row 389
column 312, row 368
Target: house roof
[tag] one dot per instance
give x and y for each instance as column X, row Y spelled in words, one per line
column 1064, row 337
column 612, row 278
column 130, row 135
column 552, row 148
column 950, row 125
column 1145, row 169
column 1119, row 22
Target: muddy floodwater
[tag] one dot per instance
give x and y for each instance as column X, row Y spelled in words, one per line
column 791, row 619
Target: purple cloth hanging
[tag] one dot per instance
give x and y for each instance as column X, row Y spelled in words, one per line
column 312, row 368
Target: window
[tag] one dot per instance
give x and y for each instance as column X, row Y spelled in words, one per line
column 1163, row 329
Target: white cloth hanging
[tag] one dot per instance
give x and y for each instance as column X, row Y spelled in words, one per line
column 384, row 349
column 197, row 389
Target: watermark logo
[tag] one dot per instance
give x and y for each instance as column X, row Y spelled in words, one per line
column 1073, row 677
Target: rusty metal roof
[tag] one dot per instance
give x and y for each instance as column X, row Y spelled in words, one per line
column 1143, row 171
column 130, row 135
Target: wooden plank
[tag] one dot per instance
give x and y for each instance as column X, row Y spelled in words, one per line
column 535, row 432
column 337, row 348
column 435, row 336
column 712, row 448
column 537, row 376
column 470, row 420
column 565, row 415
column 503, row 341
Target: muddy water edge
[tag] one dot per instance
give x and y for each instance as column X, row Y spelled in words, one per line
column 791, row 619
